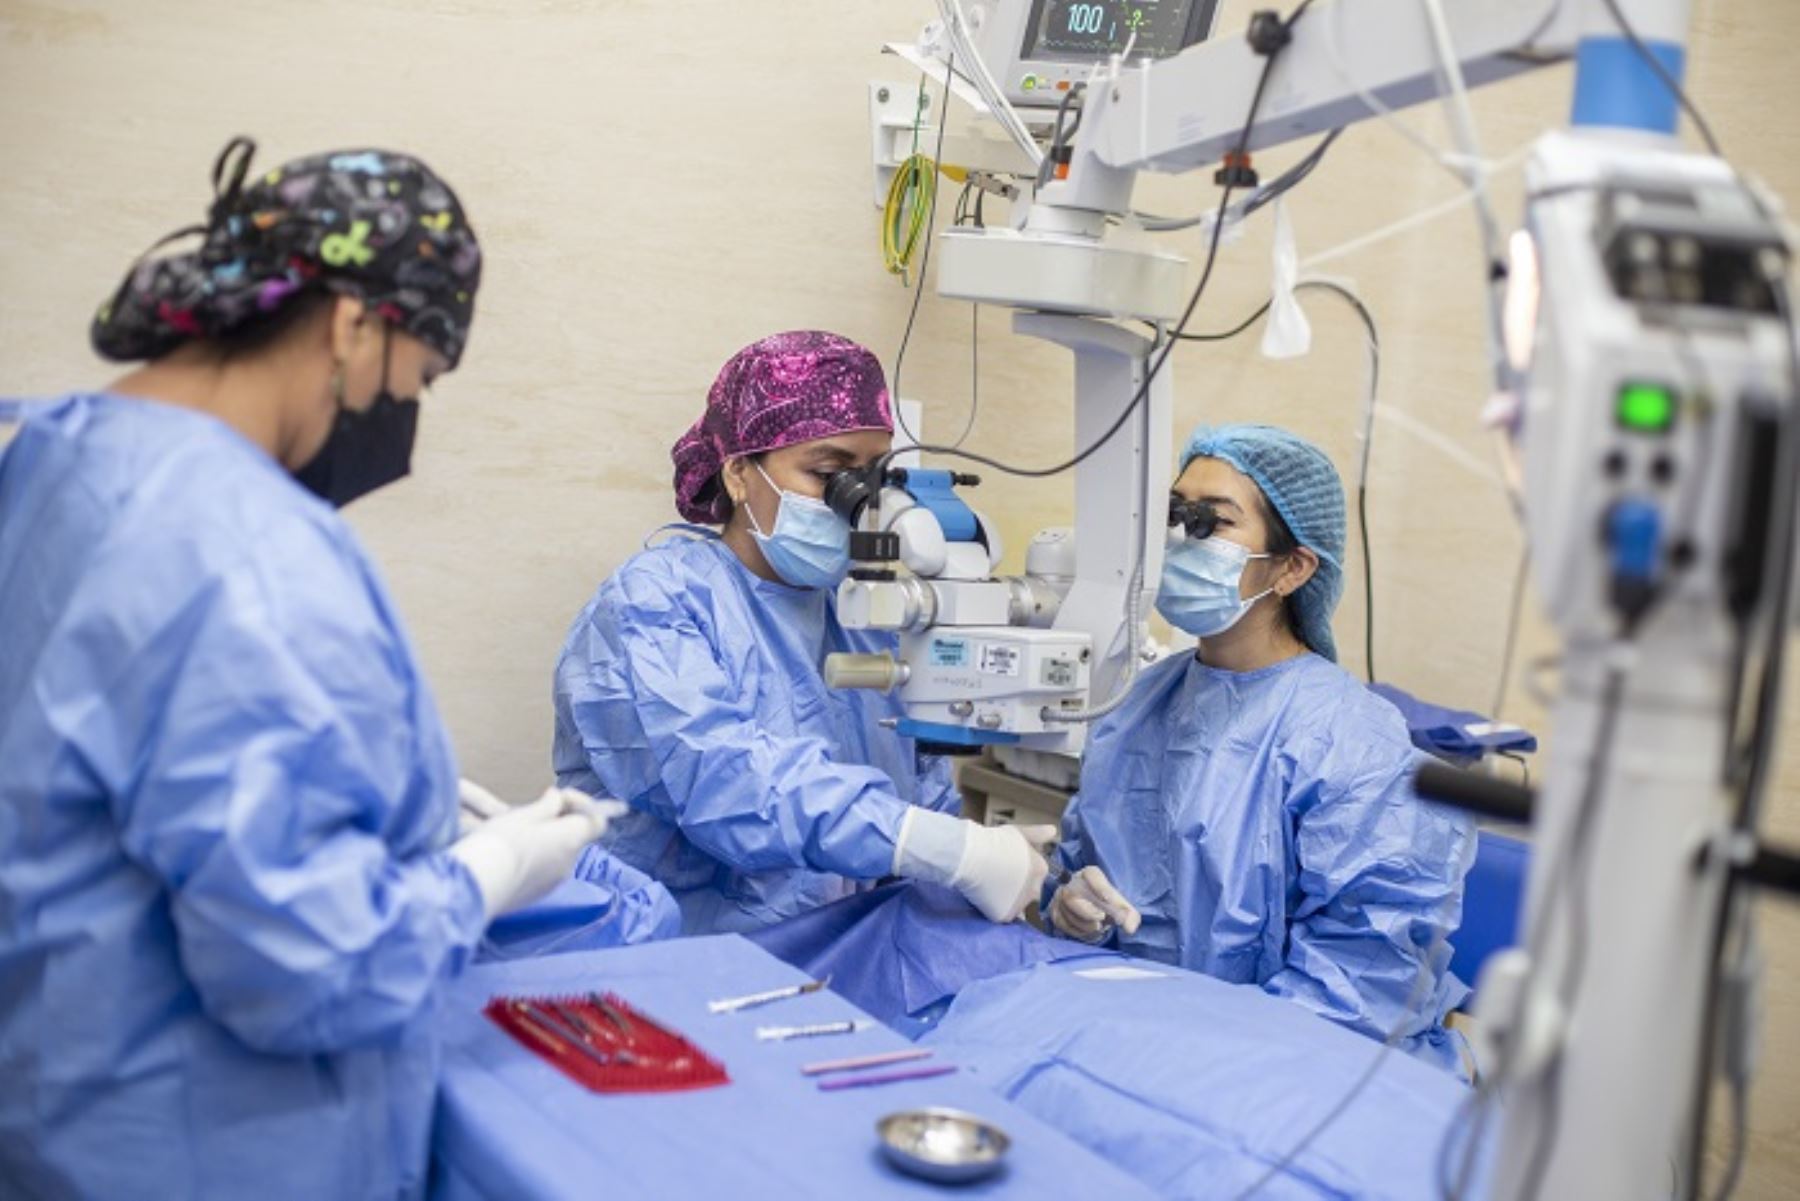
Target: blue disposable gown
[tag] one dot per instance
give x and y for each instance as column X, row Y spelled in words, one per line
column 1265, row 826
column 225, row 793
column 691, row 688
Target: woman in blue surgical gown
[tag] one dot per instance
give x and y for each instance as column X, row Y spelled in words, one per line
column 691, row 687
column 1248, row 812
column 228, row 894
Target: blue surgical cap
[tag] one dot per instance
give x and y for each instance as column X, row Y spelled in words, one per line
column 1304, row 489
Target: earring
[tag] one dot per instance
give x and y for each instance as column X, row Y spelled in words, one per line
column 337, row 384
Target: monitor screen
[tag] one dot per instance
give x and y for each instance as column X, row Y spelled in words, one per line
column 1082, row 30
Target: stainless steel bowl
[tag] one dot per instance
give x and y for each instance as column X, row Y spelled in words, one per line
column 945, row 1145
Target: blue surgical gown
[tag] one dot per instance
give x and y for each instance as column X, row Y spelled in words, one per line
column 225, row 794
column 1265, row 826
column 691, row 688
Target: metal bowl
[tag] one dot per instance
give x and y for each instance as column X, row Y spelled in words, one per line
column 945, row 1145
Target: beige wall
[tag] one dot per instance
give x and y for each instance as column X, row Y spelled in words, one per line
column 658, row 183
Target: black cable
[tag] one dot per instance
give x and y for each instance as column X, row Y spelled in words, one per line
column 1769, row 685
column 1075, row 125
column 961, row 215
column 1058, row 134
column 937, row 157
column 1668, row 81
column 1362, row 479
column 1325, row 1123
column 950, row 69
column 1395, row 1035
column 1521, row 761
column 1143, row 389
column 1514, row 613
column 1284, row 183
column 1362, row 522
column 1226, row 335
column 974, row 373
column 1294, row 177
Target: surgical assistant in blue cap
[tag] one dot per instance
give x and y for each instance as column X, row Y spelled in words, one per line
column 691, row 685
column 229, row 891
column 1249, row 812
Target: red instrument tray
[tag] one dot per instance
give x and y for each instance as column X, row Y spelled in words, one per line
column 602, row 1043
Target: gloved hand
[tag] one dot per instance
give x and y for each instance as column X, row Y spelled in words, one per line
column 997, row 868
column 526, row 851
column 1088, row 906
column 475, row 805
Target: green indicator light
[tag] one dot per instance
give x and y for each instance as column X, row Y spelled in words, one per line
column 1646, row 408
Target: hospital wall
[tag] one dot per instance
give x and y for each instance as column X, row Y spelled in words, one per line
column 658, row 183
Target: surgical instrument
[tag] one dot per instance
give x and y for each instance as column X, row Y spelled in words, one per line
column 783, row 1033
column 857, row 1062
column 752, row 1000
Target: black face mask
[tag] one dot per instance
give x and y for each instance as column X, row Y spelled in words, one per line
column 366, row 450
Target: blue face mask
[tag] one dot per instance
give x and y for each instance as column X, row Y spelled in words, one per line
column 810, row 547
column 1200, row 590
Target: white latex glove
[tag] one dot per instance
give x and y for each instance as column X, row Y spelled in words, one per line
column 1088, row 905
column 997, row 868
column 526, row 851
column 475, row 805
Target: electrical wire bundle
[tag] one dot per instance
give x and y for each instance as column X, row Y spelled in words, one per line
column 912, row 197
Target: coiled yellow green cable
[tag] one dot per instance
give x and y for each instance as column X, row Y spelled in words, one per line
column 908, row 209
